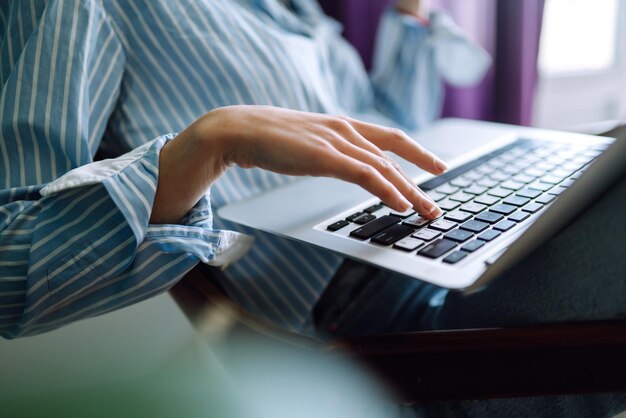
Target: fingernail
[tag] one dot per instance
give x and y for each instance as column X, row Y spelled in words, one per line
column 433, row 209
column 441, row 165
column 405, row 204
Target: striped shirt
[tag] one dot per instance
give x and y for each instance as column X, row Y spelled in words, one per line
column 76, row 75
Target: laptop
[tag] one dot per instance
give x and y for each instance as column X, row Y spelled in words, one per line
column 508, row 190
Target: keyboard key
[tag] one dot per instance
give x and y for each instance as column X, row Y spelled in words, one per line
column 448, row 204
column 538, row 185
column 374, row 227
column 337, row 225
column 532, row 207
column 364, row 218
column 374, row 208
column 519, row 216
column 393, row 234
column 544, row 165
column 402, row 215
column 473, row 245
column 461, row 182
column 545, row 199
column 473, row 207
column 504, row 225
column 447, row 189
column 535, row 172
column 562, row 173
column 487, row 182
column 472, row 175
column 483, row 169
column 408, row 244
column 582, row 160
column 416, row 221
column 516, row 200
column 523, row 178
column 426, row 234
column 502, row 208
column 489, row 217
column 551, row 179
column 511, row 185
column 437, row 248
column 499, row 192
column 567, row 183
column 510, row 169
column 436, row 196
column 530, row 193
column 475, row 226
column 507, row 157
column 455, row 257
column 353, row 216
column 459, row 235
column 442, row 225
column 555, row 159
column 458, row 216
column 475, row 189
column 461, row 197
column 572, row 166
column 486, row 200
column 496, row 163
column 489, row 235
column 557, row 190
column 499, row 176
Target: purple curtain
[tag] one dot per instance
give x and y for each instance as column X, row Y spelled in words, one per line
column 508, row 29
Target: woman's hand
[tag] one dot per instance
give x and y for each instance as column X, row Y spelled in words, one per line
column 294, row 143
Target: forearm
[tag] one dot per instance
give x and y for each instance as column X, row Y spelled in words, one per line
column 404, row 77
column 82, row 245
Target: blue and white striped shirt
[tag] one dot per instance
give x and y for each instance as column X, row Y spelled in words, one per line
column 75, row 238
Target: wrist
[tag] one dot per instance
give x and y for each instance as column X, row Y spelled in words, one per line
column 213, row 135
column 188, row 165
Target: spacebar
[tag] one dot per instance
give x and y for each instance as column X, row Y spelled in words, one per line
column 370, row 229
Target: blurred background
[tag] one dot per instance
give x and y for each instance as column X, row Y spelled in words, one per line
column 557, row 64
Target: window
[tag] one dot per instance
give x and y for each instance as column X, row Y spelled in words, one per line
column 578, row 36
column 582, row 63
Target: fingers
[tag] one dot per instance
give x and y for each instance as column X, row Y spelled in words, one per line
column 350, row 169
column 392, row 172
column 396, row 141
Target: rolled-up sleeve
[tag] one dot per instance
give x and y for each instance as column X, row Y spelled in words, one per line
column 75, row 238
column 82, row 245
column 412, row 60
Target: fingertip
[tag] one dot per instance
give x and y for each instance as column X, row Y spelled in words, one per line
column 441, row 166
column 432, row 210
column 436, row 213
column 404, row 204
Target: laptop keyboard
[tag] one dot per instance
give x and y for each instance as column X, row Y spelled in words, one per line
column 482, row 200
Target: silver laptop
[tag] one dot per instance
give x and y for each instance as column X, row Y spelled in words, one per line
column 508, row 190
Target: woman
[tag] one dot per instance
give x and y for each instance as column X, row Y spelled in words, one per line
column 80, row 238
column 79, row 75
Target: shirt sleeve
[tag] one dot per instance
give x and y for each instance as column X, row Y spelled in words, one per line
column 75, row 238
column 412, row 60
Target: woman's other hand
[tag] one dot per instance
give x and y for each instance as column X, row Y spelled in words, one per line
column 418, row 8
column 293, row 143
